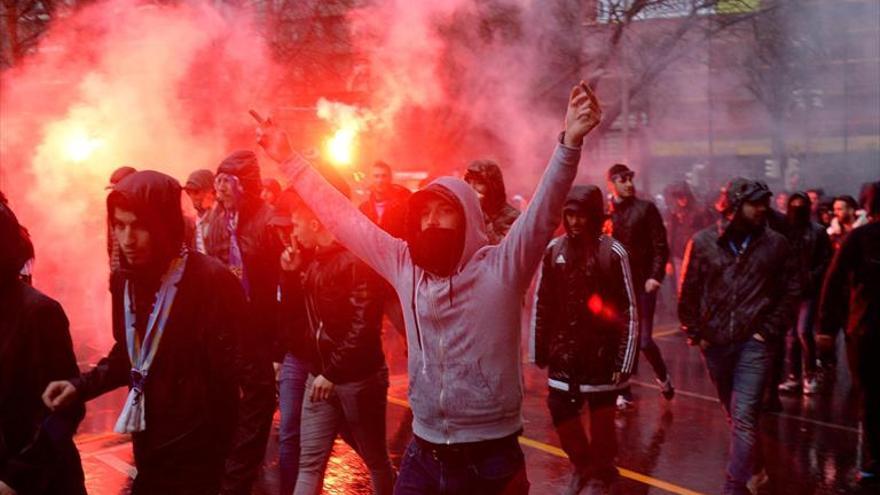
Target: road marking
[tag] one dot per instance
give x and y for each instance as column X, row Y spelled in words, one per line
column 556, row 451
column 85, row 438
column 781, row 415
column 118, row 464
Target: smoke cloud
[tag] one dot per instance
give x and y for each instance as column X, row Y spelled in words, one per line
column 118, row 83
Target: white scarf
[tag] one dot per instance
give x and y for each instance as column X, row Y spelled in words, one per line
column 141, row 356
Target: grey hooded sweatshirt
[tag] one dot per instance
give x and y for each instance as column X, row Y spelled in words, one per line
column 463, row 331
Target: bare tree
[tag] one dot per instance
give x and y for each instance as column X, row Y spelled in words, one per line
column 24, row 22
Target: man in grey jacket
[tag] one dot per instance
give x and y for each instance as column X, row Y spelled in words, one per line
column 462, row 304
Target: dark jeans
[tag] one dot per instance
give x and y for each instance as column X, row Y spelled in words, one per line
column 802, row 341
column 358, row 407
column 739, row 372
column 865, row 367
column 646, row 305
column 291, row 389
column 500, row 470
column 593, row 456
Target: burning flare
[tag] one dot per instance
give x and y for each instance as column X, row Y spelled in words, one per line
column 349, row 122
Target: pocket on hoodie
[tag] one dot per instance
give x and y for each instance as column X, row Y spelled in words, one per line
column 467, row 391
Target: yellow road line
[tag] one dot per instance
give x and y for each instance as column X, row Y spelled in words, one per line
column 667, row 333
column 556, row 451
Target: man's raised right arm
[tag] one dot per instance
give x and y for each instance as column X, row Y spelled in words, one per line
column 382, row 252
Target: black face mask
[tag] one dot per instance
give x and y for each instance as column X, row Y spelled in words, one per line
column 438, row 250
column 798, row 215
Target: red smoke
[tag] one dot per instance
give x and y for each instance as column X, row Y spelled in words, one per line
column 117, row 83
column 168, row 87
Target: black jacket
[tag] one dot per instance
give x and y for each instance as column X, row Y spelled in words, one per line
column 586, row 323
column 37, row 454
column 343, row 331
column 259, row 244
column 851, row 292
column 637, row 224
column 208, row 400
column 726, row 298
column 812, row 246
column 393, row 218
column 684, row 222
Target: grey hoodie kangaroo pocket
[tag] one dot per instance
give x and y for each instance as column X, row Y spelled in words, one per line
column 469, row 393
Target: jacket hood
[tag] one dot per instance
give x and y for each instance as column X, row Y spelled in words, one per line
column 799, row 195
column 678, row 189
column 488, row 172
column 155, row 198
column 244, row 165
column 462, row 194
column 869, row 198
column 16, row 247
column 588, row 201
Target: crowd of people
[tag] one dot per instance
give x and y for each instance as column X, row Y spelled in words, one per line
column 301, row 277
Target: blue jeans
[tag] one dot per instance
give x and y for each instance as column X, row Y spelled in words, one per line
column 739, row 372
column 802, row 347
column 291, row 389
column 500, row 470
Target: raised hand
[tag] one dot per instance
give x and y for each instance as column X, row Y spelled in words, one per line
column 274, row 141
column 582, row 116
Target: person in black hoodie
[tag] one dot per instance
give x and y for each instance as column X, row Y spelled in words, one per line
column 486, row 179
column 37, row 454
column 586, row 333
column 638, row 225
column 851, row 299
column 347, row 385
column 739, row 290
column 199, row 404
column 812, row 246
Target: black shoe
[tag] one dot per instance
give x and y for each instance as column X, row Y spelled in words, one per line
column 773, row 404
column 666, row 388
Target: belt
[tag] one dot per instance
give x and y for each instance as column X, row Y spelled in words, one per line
column 464, row 451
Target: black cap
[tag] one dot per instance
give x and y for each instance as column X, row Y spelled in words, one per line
column 741, row 190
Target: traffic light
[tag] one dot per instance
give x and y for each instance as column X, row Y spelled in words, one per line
column 772, row 169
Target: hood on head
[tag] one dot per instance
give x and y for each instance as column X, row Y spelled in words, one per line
column 679, row 189
column 244, row 165
column 200, row 180
column 458, row 192
column 488, row 172
column 798, row 216
column 119, row 174
column 740, row 190
column 869, row 198
column 16, row 247
column 799, row 195
column 155, row 198
column 586, row 200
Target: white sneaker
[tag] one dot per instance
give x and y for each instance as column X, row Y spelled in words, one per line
column 790, row 386
column 811, row 386
column 624, row 403
column 757, row 481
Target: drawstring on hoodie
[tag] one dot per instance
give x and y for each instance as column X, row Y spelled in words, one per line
column 415, row 313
